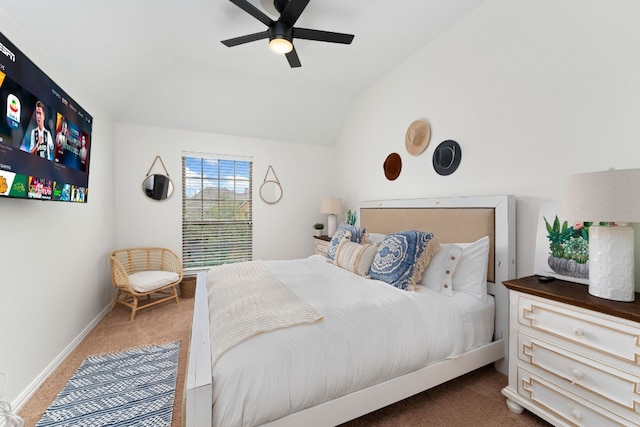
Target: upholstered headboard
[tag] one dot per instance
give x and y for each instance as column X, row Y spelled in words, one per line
column 449, row 225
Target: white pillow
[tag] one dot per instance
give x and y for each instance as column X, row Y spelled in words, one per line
column 466, row 264
column 355, row 257
column 439, row 273
column 471, row 273
column 374, row 237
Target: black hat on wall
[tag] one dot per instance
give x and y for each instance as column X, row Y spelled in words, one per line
column 446, row 157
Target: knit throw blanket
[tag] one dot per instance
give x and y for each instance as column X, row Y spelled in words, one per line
column 246, row 299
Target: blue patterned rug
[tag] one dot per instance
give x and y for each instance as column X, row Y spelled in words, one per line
column 131, row 388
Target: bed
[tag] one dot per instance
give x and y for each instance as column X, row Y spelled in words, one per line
column 331, row 374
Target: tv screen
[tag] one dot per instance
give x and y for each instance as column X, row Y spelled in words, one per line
column 45, row 136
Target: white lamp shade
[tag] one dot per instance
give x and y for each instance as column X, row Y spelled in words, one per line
column 331, row 205
column 609, row 196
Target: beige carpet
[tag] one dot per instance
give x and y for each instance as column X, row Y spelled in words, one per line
column 471, row 400
column 159, row 324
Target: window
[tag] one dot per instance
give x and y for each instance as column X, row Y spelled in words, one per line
column 216, row 211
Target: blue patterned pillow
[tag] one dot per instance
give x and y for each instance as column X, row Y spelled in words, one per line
column 402, row 257
column 357, row 236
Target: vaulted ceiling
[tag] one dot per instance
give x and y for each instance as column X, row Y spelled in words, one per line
column 161, row 63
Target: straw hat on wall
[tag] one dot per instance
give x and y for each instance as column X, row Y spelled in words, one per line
column 417, row 137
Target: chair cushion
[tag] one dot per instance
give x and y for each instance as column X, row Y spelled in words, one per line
column 146, row 281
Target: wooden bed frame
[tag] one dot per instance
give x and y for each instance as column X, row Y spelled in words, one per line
column 472, row 218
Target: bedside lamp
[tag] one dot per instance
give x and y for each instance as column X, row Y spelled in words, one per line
column 612, row 197
column 331, row 206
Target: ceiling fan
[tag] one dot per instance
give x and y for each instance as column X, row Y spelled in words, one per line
column 282, row 32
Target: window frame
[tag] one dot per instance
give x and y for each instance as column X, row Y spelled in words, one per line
column 217, row 220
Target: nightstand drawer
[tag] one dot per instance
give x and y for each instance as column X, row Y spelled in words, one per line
column 573, row 409
column 595, row 382
column 321, row 246
column 615, row 338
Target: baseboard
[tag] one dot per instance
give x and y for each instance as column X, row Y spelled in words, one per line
column 40, row 379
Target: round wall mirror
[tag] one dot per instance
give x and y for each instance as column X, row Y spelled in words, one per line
column 157, row 187
column 270, row 192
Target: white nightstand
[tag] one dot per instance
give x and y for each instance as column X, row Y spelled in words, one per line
column 321, row 243
column 574, row 359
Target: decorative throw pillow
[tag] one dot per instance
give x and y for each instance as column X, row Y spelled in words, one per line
column 355, row 257
column 470, row 275
column 373, row 237
column 439, row 274
column 402, row 257
column 357, row 235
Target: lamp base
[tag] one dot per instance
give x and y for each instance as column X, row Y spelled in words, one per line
column 611, row 260
column 331, row 226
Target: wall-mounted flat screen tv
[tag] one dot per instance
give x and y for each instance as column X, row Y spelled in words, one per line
column 45, row 136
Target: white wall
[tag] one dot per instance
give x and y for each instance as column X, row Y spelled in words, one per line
column 54, row 278
column 532, row 90
column 282, row 230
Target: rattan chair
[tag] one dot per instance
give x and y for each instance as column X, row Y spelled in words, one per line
column 154, row 273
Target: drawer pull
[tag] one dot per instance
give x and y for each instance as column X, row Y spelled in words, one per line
column 577, row 375
column 576, row 414
column 578, row 332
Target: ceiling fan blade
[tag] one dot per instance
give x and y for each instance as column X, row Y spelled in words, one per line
column 293, row 11
column 253, row 11
column 293, row 59
column 322, row 36
column 246, row 39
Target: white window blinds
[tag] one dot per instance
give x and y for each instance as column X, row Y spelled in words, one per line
column 216, row 211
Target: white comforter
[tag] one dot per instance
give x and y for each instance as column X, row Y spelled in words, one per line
column 371, row 332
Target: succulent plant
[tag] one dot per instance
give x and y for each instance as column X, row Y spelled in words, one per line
column 577, row 249
column 557, row 235
column 318, row 226
column 568, row 242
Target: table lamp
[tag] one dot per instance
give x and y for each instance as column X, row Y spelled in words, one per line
column 333, row 207
column 611, row 199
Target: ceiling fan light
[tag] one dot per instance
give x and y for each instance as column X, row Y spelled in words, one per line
column 280, row 45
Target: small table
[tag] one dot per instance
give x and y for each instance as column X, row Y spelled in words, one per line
column 322, row 244
column 573, row 357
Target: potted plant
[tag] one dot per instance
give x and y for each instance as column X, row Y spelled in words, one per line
column 569, row 246
column 318, row 226
column 352, row 216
